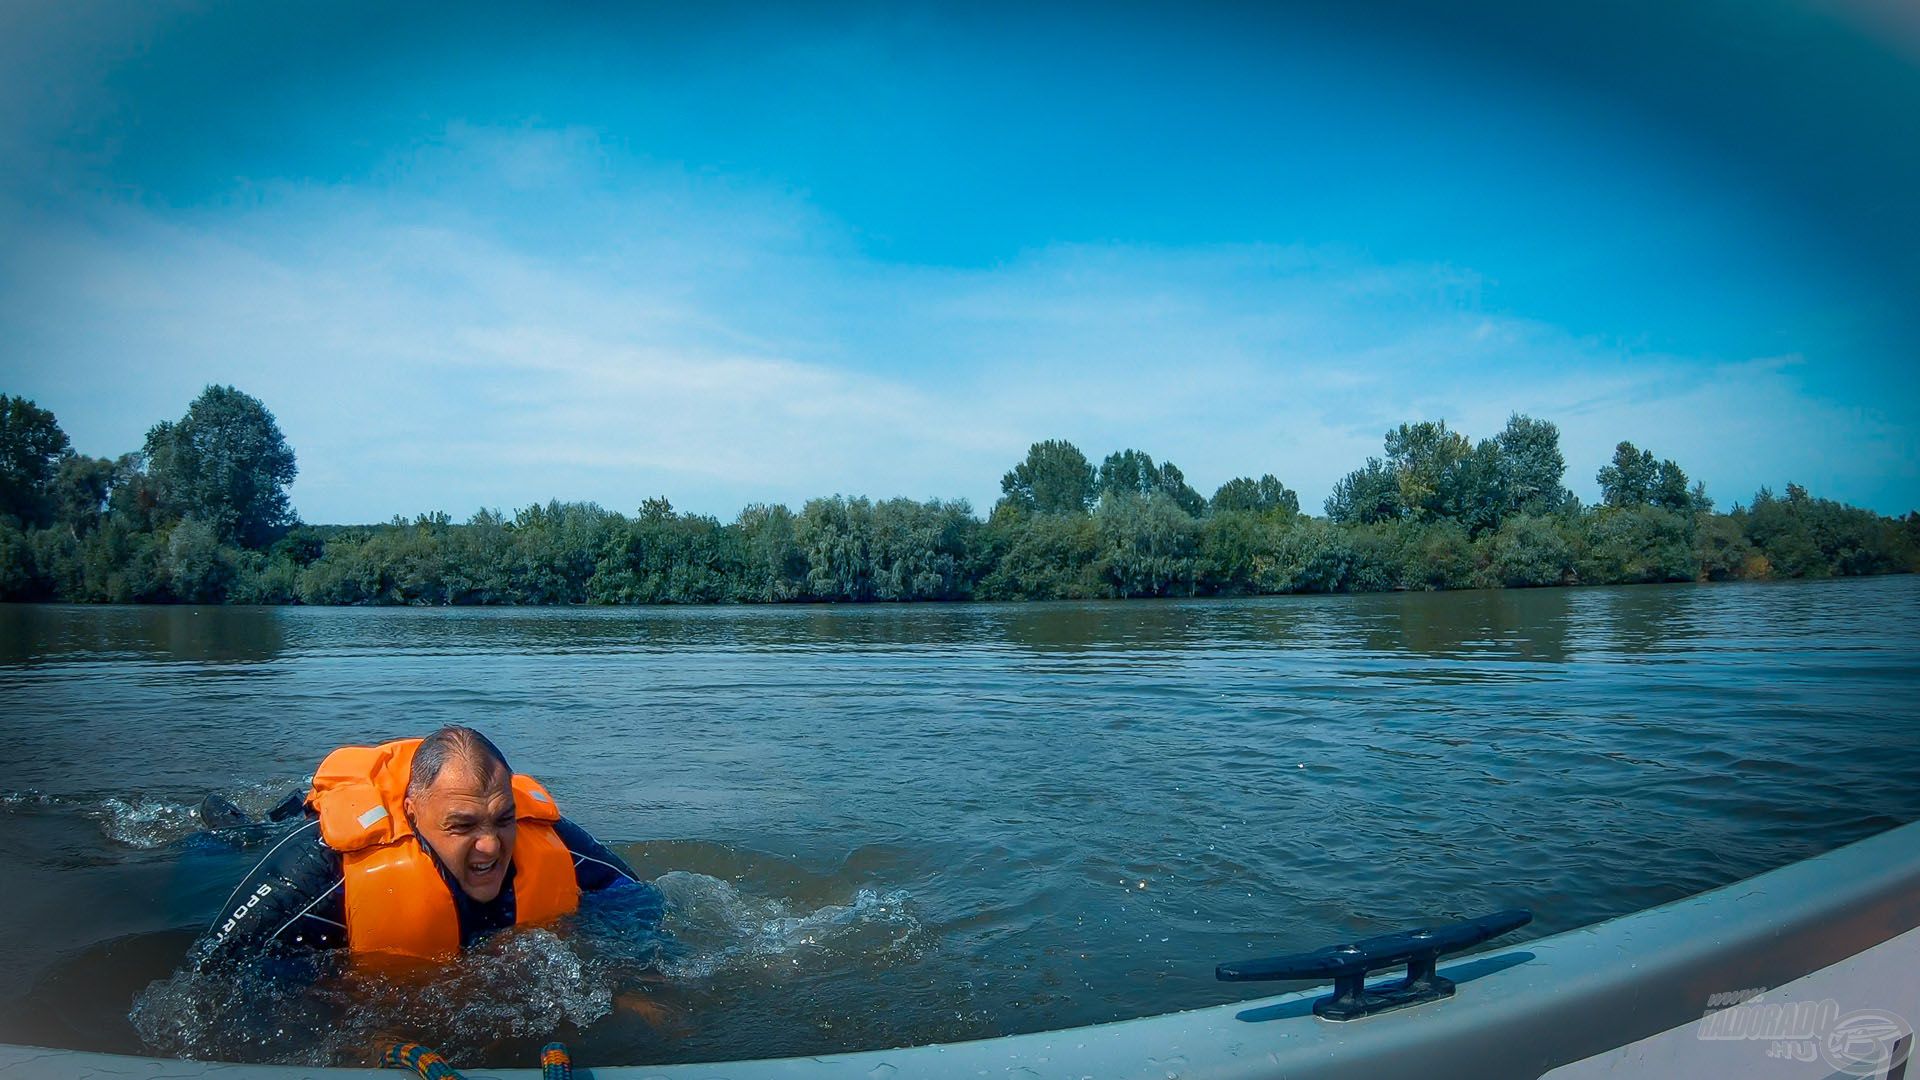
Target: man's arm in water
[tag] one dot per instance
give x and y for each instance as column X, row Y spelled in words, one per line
column 291, row 900
column 594, row 867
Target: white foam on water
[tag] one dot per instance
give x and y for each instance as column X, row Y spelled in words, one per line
column 12, row 799
column 240, row 1015
column 524, row 984
column 719, row 928
column 520, row 984
column 146, row 822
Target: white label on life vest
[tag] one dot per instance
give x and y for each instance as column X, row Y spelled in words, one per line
column 372, row 816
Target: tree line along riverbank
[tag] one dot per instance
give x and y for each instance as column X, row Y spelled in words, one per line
column 200, row 514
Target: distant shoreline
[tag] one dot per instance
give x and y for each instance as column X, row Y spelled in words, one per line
column 590, row 605
column 900, row 551
column 201, row 515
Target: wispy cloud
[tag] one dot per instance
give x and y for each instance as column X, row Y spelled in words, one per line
column 562, row 329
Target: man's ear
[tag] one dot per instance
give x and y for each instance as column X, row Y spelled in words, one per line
column 406, row 807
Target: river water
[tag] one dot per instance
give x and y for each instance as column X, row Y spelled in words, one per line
column 889, row 825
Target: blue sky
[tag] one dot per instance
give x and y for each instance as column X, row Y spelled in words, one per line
column 484, row 256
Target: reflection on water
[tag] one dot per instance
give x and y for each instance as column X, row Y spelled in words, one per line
column 899, row 824
column 45, row 633
column 1533, row 624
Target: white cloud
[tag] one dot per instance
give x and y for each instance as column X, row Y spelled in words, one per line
column 553, row 333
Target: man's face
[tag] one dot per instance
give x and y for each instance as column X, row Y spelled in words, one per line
column 466, row 817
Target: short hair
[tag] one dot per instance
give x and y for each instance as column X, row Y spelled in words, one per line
column 450, row 743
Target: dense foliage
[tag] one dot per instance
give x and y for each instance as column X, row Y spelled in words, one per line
column 201, row 515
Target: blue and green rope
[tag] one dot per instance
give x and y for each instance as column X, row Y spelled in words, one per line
column 421, row 1059
column 555, row 1062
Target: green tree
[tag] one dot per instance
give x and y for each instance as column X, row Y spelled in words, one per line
column 1670, row 490
column 483, row 559
column 557, row 549
column 1056, row 478
column 1723, row 550
column 1529, row 551
column 81, row 487
column 1628, row 545
column 224, row 463
column 1437, row 556
column 1424, row 459
column 837, row 534
column 1312, row 556
column 1044, row 557
column 1147, row 545
column 773, row 568
column 132, row 501
column 300, row 547
column 1132, row 472
column 1368, row 494
column 411, row 557
column 920, row 551
column 60, row 558
column 1474, row 492
column 1782, row 534
column 1236, row 547
column 31, row 446
column 1533, row 467
column 19, row 577
column 1129, row 471
column 1266, row 495
column 1170, row 482
column 1801, row 536
column 665, row 558
column 1629, row 479
column 343, row 575
column 260, row 578
column 198, row 569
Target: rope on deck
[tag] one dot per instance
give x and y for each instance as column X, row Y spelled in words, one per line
column 555, row 1062
column 423, row 1060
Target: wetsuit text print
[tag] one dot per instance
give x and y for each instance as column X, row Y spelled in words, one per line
column 242, row 911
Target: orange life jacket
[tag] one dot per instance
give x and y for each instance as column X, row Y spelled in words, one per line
column 398, row 905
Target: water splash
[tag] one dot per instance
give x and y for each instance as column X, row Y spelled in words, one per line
column 251, row 1014
column 315, row 1011
column 146, row 822
column 523, row 984
column 719, row 928
column 517, row 985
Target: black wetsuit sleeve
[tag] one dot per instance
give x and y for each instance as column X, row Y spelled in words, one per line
column 594, row 867
column 613, row 899
column 291, row 900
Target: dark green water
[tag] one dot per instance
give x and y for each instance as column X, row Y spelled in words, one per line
column 892, row 825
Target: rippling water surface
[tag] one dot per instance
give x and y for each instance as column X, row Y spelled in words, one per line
column 879, row 826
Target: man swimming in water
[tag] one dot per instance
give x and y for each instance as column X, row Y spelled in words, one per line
column 414, row 850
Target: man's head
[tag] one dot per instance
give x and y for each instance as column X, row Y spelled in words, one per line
column 460, row 801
